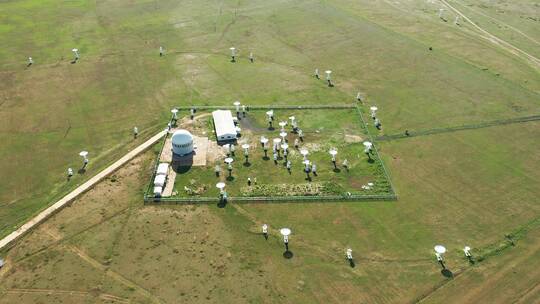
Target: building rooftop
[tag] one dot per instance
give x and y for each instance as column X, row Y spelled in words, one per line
column 224, row 124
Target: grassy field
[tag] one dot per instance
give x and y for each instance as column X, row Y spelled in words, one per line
column 323, row 129
column 460, row 188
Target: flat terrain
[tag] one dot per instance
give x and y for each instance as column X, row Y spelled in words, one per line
column 322, row 129
column 476, row 187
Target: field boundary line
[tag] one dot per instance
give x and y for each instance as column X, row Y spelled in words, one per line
column 480, row 125
column 45, row 214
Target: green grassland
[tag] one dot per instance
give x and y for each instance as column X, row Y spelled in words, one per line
column 323, row 129
column 460, row 188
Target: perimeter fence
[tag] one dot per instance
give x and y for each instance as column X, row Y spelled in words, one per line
column 151, row 199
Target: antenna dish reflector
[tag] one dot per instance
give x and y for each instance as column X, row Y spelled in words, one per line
column 285, row 231
column 440, row 249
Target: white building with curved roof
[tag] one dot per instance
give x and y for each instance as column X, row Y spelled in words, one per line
column 224, row 125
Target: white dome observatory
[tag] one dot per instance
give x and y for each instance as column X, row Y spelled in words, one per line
column 182, row 142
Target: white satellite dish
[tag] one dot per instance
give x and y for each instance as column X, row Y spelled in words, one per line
column 292, row 118
column 75, row 50
column 220, row 185
column 440, row 249
column 304, row 152
column 367, row 144
column 283, row 135
column 264, row 140
column 174, row 111
column 373, row 108
column 229, row 160
column 245, row 146
column 277, row 141
column 282, row 123
column 236, row 103
column 285, row 231
column 467, row 248
column 83, row 153
column 270, row 113
column 333, row 152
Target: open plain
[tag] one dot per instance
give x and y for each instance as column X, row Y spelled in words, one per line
column 468, row 94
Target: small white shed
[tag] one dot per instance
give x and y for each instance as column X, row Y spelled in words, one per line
column 162, row 169
column 159, row 181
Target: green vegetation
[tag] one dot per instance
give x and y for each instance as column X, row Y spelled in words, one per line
column 465, row 187
column 323, row 130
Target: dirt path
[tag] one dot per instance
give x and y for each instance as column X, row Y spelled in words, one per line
column 535, row 62
column 501, row 22
column 79, row 190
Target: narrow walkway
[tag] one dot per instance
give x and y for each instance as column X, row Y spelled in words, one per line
column 80, row 190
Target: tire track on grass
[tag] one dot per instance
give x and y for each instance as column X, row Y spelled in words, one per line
column 535, row 62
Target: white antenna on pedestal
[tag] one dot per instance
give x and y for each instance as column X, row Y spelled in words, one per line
column 329, row 77
column 264, row 141
column 277, row 141
column 304, row 152
column 439, row 251
column 349, row 254
column 373, row 110
column 441, row 12
column 282, row 124
column 220, row 186
column 175, row 113
column 246, row 151
column 76, row 53
column 333, row 152
column 285, row 232
column 237, row 106
column 84, row 155
column 233, row 53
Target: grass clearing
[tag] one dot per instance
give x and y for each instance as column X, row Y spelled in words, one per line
column 460, row 188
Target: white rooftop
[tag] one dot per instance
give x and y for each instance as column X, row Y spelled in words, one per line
column 162, row 169
column 224, row 124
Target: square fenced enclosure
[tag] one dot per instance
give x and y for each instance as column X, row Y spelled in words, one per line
column 260, row 176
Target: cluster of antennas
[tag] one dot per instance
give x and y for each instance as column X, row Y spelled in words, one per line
column 234, row 55
column 328, row 74
column 440, row 250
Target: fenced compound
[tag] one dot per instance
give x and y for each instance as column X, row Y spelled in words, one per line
column 389, row 195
